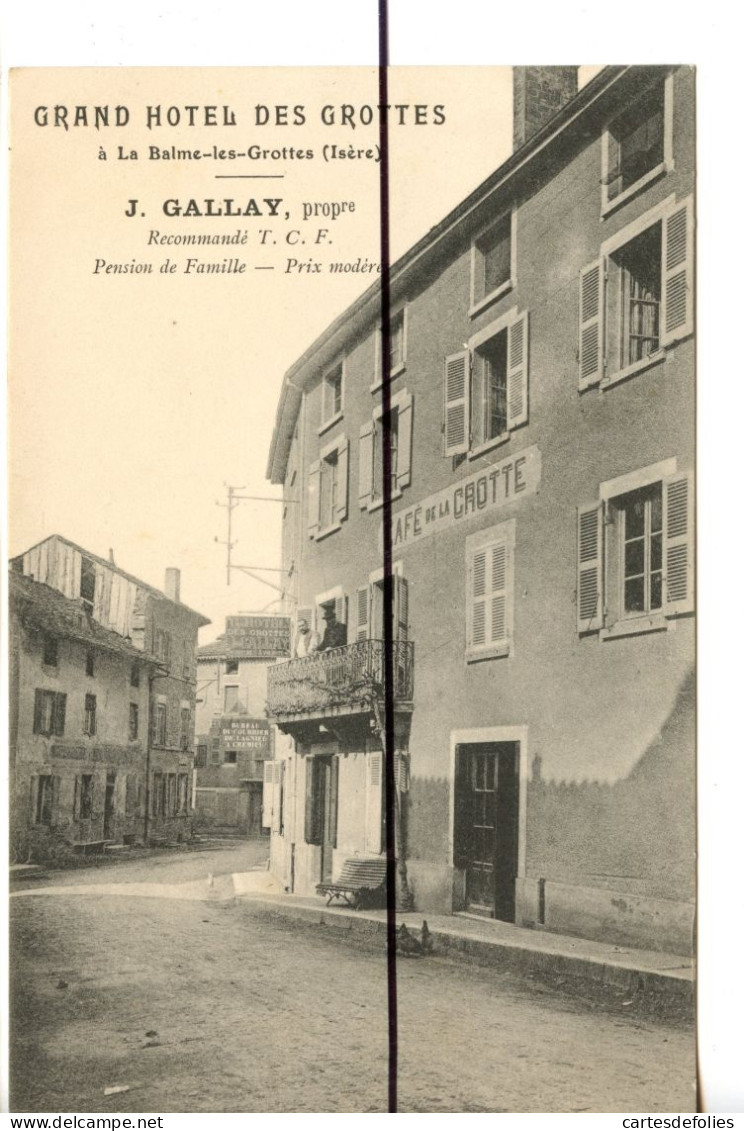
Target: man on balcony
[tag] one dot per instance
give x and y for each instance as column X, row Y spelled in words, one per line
column 334, row 635
column 305, row 641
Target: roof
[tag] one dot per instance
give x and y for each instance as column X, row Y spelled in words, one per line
column 158, row 593
column 50, row 611
column 414, row 264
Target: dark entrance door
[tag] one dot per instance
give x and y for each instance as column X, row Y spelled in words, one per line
column 322, row 809
column 108, row 807
column 255, row 801
column 487, row 825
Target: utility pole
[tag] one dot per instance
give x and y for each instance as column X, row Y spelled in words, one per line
column 233, row 500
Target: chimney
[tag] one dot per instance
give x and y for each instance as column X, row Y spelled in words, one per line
column 173, row 584
column 539, row 93
column 111, row 557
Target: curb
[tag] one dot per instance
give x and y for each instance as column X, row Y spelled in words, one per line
column 664, row 994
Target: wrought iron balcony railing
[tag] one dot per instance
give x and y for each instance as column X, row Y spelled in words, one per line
column 349, row 677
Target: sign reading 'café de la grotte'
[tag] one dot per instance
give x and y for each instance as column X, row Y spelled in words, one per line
column 490, row 489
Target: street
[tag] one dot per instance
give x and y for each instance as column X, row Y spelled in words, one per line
column 196, row 1004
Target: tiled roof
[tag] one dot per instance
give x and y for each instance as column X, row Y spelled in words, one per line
column 45, row 608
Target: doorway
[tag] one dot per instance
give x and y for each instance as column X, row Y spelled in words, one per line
column 321, row 809
column 486, row 828
column 108, row 806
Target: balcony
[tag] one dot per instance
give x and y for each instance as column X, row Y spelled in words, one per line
column 338, row 683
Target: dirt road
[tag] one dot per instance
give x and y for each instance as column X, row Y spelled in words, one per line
column 195, row 1004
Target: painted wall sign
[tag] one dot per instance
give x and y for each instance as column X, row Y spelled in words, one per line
column 489, row 489
column 245, row 734
column 266, row 638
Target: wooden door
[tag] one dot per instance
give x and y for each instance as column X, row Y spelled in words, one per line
column 486, row 826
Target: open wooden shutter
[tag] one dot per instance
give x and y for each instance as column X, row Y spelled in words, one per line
column 342, row 488
column 401, row 608
column 373, row 839
column 313, row 499
column 60, row 708
column 333, row 814
column 679, row 547
column 590, row 583
column 312, row 822
column 366, row 449
column 462, row 825
column 363, row 611
column 38, row 710
column 677, row 274
column 276, row 812
column 457, row 403
column 267, row 809
column 517, row 372
column 405, row 438
column 591, row 324
column 477, row 612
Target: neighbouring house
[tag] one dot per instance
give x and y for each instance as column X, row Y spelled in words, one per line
column 541, row 431
column 102, row 743
column 235, row 740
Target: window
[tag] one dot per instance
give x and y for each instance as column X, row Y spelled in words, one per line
column 486, row 387
column 637, row 298
column 44, row 799
column 49, row 713
column 162, row 645
column 161, row 724
column 231, row 697
column 328, row 489
column 132, row 795
column 88, row 582
column 200, row 761
column 90, row 664
column 185, row 728
column 187, row 660
column 134, row 676
column 232, row 667
column 133, row 721
column 637, row 145
column 51, row 652
column 372, row 435
column 231, row 757
column 489, row 592
column 157, row 797
column 492, row 263
column 398, row 347
column 635, row 553
column 89, row 723
column 183, row 792
column 83, row 806
column 321, row 798
column 333, row 395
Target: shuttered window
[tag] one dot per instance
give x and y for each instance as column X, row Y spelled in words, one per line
column 637, row 298
column 486, row 387
column 635, row 556
column 328, row 489
column 50, row 709
column 490, row 584
column 374, row 803
column 397, row 430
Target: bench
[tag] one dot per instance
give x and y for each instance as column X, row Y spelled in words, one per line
column 361, row 883
column 86, row 846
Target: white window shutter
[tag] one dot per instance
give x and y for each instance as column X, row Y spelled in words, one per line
column 373, row 837
column 276, row 810
column 401, row 608
column 477, row 611
column 363, row 611
column 267, row 809
column 679, row 547
column 677, row 274
column 313, row 499
column 590, row 583
column 342, row 490
column 366, row 449
column 499, row 595
column 517, row 372
column 405, row 440
column 457, row 403
column 591, row 324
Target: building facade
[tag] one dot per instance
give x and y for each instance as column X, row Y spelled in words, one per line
column 136, row 723
column 235, row 739
column 541, row 440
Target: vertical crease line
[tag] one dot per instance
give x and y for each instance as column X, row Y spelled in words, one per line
column 388, row 737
